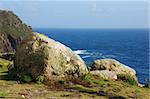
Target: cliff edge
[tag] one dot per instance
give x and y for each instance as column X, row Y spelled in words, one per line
column 12, row 31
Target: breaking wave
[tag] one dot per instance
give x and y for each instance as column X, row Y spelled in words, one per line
column 80, row 52
column 93, row 54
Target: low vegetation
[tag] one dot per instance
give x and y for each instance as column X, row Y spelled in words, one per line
column 12, row 24
column 127, row 79
column 87, row 87
column 40, row 79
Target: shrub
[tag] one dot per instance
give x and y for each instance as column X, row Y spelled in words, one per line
column 94, row 79
column 40, row 79
column 127, row 78
column 88, row 78
column 26, row 78
column 61, row 82
column 131, row 81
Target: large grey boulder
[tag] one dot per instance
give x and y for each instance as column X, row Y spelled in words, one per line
column 40, row 55
column 115, row 66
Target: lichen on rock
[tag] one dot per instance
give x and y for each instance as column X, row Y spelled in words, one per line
column 40, row 55
column 113, row 66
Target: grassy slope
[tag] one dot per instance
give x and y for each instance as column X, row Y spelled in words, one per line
column 99, row 89
column 12, row 89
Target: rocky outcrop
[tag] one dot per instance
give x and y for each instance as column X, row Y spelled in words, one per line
column 113, row 66
column 12, row 31
column 39, row 55
column 5, row 45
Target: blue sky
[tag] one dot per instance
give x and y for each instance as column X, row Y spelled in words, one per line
column 80, row 14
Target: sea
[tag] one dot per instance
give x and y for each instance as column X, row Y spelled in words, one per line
column 129, row 46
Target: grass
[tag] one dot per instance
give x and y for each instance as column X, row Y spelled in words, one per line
column 26, row 78
column 91, row 87
column 40, row 79
column 42, row 35
column 3, row 94
column 4, row 63
column 127, row 79
column 114, row 88
column 94, row 80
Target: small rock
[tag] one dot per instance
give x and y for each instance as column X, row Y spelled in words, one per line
column 23, row 96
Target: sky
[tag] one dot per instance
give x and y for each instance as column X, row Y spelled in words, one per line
column 80, row 13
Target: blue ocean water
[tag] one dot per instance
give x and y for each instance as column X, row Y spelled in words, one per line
column 129, row 46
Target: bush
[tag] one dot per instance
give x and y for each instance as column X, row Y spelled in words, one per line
column 94, row 79
column 131, row 81
column 61, row 82
column 26, row 78
column 40, row 79
column 88, row 78
column 127, row 78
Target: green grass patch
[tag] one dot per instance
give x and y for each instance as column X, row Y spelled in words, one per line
column 127, row 79
column 137, row 93
column 4, row 94
column 40, row 79
column 3, row 68
column 94, row 80
column 4, row 63
column 26, row 78
column 83, row 89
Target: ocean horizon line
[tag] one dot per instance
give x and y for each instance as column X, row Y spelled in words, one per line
column 34, row 28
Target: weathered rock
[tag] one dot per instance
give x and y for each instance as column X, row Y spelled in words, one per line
column 39, row 55
column 5, row 45
column 147, row 84
column 12, row 31
column 10, row 66
column 106, row 74
column 8, row 56
column 115, row 66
